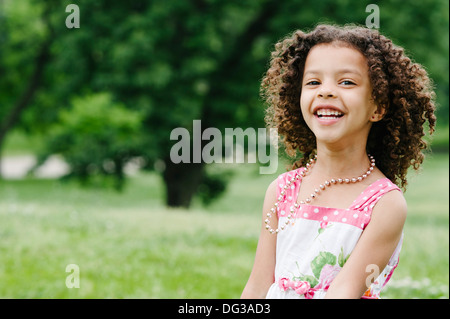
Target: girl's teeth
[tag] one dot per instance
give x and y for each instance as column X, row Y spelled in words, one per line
column 328, row 113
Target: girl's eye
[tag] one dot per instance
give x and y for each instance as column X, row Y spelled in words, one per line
column 347, row 82
column 313, row 82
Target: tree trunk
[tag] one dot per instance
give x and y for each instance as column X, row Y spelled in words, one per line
column 182, row 181
column 34, row 82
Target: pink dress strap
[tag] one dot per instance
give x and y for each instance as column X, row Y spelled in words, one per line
column 290, row 190
column 367, row 200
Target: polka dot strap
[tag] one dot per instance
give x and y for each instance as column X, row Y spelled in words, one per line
column 290, row 192
column 367, row 200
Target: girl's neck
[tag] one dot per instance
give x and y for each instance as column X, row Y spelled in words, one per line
column 341, row 163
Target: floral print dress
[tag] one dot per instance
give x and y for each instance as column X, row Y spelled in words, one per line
column 312, row 250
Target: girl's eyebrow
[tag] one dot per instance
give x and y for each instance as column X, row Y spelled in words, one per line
column 352, row 71
column 339, row 72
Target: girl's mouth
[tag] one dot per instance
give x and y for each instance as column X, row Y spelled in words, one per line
column 328, row 116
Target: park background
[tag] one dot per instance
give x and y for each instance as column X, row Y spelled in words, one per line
column 85, row 119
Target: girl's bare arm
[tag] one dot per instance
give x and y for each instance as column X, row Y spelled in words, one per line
column 262, row 275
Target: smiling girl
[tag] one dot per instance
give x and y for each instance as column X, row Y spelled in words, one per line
column 354, row 107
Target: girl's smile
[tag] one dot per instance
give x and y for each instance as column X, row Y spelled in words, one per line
column 327, row 114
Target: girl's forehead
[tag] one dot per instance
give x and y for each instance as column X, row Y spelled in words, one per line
column 331, row 56
column 338, row 44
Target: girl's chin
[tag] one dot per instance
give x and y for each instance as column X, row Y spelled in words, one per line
column 328, row 136
column 327, row 140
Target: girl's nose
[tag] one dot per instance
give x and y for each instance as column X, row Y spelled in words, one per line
column 326, row 92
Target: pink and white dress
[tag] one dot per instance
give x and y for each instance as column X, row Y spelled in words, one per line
column 316, row 244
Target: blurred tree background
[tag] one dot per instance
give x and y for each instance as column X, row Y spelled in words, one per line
column 114, row 88
column 108, row 94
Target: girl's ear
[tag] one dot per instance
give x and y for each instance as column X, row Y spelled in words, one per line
column 378, row 114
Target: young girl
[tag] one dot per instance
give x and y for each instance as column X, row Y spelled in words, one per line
column 351, row 102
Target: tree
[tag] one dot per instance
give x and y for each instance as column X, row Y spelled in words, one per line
column 177, row 61
column 96, row 136
column 172, row 61
column 22, row 93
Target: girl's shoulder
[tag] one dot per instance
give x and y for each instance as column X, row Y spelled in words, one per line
column 376, row 191
column 285, row 182
column 291, row 176
column 390, row 210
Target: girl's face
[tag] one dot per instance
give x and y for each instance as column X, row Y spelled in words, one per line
column 336, row 99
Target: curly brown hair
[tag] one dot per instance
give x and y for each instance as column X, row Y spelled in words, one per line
column 400, row 86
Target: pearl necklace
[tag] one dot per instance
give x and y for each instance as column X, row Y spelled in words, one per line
column 314, row 195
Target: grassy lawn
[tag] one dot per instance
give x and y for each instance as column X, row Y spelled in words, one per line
column 130, row 245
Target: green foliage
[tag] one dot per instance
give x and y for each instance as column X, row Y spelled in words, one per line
column 21, row 31
column 96, row 137
column 176, row 61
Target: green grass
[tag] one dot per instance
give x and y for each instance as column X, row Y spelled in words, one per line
column 130, row 245
column 424, row 261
